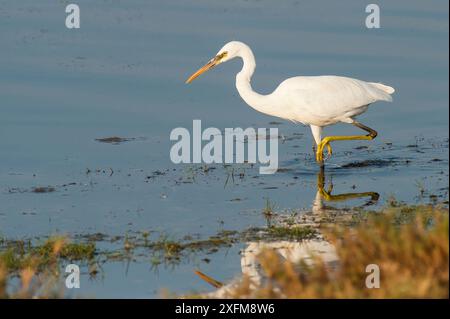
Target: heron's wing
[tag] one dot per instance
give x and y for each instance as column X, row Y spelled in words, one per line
column 330, row 97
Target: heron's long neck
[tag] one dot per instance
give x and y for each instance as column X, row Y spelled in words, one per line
column 257, row 101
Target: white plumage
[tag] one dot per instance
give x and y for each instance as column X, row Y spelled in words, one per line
column 317, row 101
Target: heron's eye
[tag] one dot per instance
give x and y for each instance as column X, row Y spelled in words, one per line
column 222, row 55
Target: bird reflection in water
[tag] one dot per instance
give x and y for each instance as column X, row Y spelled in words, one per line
column 326, row 195
column 295, row 251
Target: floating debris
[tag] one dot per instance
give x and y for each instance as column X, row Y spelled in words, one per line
column 43, row 189
column 117, row 140
column 368, row 163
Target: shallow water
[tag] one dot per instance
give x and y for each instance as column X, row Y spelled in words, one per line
column 122, row 74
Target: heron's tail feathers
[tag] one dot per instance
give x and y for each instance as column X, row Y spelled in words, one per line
column 383, row 92
column 384, row 88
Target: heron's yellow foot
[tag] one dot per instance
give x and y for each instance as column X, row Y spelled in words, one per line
column 319, row 152
column 329, row 150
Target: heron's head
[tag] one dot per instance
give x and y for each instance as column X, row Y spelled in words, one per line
column 228, row 52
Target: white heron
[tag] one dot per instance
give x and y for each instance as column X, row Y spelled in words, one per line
column 317, row 101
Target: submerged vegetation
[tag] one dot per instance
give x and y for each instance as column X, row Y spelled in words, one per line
column 38, row 267
column 292, row 233
column 409, row 244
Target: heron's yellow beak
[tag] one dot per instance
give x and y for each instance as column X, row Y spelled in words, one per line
column 208, row 66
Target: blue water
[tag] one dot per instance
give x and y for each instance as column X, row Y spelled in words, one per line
column 122, row 74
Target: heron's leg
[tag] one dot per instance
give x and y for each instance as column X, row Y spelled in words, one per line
column 317, row 135
column 326, row 140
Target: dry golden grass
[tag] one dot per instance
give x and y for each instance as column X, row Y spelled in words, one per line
column 410, row 245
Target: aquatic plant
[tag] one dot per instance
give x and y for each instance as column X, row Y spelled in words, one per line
column 410, row 245
column 38, row 267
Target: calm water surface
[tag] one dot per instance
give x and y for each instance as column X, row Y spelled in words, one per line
column 122, row 74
